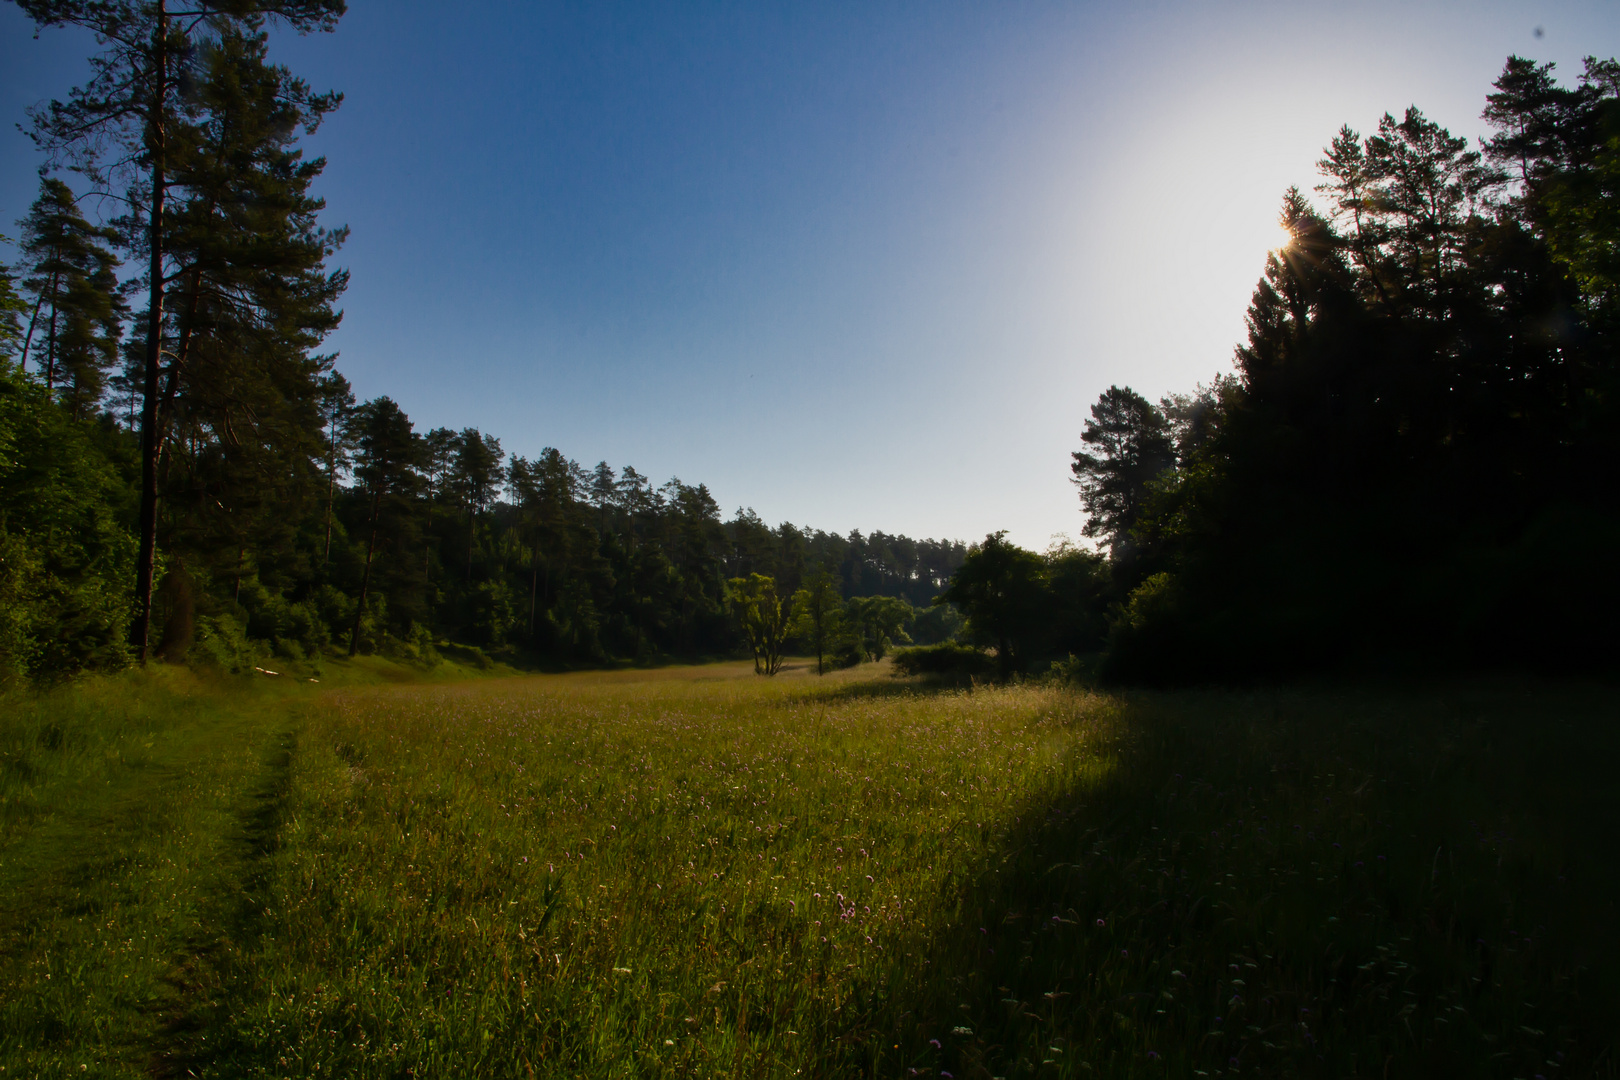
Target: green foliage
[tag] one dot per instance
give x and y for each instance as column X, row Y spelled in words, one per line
column 221, row 643
column 1029, row 606
column 935, row 624
column 66, row 553
column 818, row 616
column 765, row 619
column 1427, row 387
column 1000, row 588
column 878, row 622
column 947, row 658
column 494, row 615
column 1130, row 445
column 77, row 313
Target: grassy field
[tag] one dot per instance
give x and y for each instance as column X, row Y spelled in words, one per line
column 695, row 871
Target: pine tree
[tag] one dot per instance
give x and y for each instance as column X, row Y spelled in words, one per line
column 1131, row 445
column 337, row 414
column 77, row 313
column 389, row 453
column 123, row 130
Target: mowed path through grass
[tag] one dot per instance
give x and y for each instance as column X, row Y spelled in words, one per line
column 696, row 871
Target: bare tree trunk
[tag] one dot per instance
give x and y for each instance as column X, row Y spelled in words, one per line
column 28, row 338
column 154, row 347
column 331, row 491
column 534, row 587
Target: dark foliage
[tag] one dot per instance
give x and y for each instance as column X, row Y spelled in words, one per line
column 1414, row 466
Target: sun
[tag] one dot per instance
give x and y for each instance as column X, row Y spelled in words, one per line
column 1281, row 238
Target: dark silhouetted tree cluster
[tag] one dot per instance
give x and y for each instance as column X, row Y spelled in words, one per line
column 1414, row 464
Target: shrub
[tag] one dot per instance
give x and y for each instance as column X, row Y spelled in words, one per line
column 948, row 658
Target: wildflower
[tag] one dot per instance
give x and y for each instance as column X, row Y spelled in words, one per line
column 1102, row 922
column 935, row 1043
column 961, row 1031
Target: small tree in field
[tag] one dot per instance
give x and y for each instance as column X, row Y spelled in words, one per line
column 878, row 622
column 764, row 619
column 1000, row 588
column 818, row 613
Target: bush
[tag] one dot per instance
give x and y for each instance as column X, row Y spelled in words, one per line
column 948, row 658
column 67, row 556
column 845, row 654
column 221, row 641
column 933, row 625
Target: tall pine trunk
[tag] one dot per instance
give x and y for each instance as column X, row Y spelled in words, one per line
column 50, row 346
column 331, row 493
column 150, row 442
column 534, row 588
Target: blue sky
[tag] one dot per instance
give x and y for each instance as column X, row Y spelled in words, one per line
column 853, row 265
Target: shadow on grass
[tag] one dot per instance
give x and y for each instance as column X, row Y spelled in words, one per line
column 1319, row 882
column 892, row 686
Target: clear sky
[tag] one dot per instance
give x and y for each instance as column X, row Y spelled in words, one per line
column 856, row 265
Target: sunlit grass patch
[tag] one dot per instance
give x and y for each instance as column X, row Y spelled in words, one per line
column 634, row 870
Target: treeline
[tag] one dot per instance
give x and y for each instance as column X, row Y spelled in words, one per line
column 183, row 473
column 362, row 534
column 1414, row 463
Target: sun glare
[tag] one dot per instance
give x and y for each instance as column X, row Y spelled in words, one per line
column 1281, row 238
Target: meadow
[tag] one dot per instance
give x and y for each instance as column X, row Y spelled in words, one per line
column 694, row 871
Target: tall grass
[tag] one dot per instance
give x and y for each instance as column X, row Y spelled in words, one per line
column 632, row 874
column 119, row 805
column 695, row 871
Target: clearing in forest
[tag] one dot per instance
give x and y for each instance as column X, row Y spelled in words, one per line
column 696, row 871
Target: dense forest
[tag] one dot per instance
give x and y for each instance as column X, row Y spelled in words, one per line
column 1412, row 463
